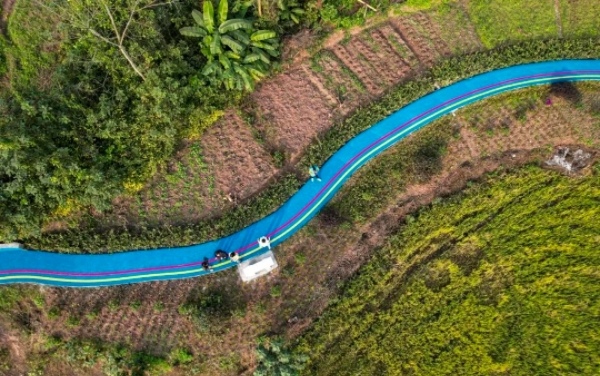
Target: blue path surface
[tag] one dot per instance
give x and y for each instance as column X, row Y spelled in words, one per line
column 28, row 266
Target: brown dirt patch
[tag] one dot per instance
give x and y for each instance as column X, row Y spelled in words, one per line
column 293, row 111
column 295, row 48
column 359, row 66
column 16, row 353
column 347, row 88
column 239, row 164
column 396, row 63
column 428, row 32
column 7, row 8
column 399, row 44
column 422, row 48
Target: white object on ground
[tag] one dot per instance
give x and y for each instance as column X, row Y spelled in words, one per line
column 11, row 245
column 257, row 266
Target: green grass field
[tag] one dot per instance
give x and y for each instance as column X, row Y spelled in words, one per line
column 502, row 279
column 497, row 21
column 580, row 17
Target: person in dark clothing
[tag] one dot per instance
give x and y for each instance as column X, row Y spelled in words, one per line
column 206, row 265
column 221, row 255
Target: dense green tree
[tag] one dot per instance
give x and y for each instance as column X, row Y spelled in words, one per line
column 79, row 124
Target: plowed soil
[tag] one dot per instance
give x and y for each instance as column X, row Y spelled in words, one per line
column 454, row 27
column 239, row 164
column 295, row 110
column 348, row 89
column 359, row 66
column 421, row 47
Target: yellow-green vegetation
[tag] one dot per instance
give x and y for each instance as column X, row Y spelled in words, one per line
column 580, row 17
column 502, row 279
column 500, row 20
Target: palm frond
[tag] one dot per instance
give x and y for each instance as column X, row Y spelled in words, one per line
column 261, row 35
column 241, row 36
column 215, row 45
column 209, row 16
column 234, row 24
column 198, row 17
column 235, row 46
column 251, row 58
column 192, row 31
column 263, row 45
column 223, row 11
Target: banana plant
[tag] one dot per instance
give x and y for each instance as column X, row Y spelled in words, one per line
column 237, row 54
column 289, row 11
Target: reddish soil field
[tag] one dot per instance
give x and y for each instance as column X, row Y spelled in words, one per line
column 359, row 66
column 395, row 63
column 239, row 164
column 399, row 45
column 293, row 110
column 348, row 89
column 421, row 46
column 421, row 22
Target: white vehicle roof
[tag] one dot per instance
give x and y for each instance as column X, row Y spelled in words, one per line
column 257, row 266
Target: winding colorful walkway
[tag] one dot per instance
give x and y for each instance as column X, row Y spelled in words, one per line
column 27, row 266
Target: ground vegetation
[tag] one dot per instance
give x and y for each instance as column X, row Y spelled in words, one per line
column 498, row 279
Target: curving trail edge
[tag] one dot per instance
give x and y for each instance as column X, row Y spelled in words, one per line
column 30, row 266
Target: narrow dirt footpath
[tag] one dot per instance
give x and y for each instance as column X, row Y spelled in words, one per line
column 7, row 7
column 558, row 18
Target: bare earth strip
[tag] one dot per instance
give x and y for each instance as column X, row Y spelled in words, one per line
column 296, row 109
column 237, row 161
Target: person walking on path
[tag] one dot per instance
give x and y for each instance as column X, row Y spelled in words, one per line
column 313, row 171
column 221, row 255
column 264, row 241
column 206, row 265
column 234, row 257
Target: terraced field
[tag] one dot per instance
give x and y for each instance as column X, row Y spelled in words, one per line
column 291, row 110
column 286, row 114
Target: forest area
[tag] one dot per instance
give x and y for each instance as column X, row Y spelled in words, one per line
column 97, row 95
